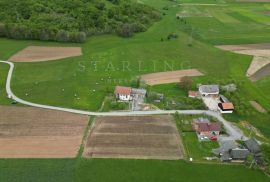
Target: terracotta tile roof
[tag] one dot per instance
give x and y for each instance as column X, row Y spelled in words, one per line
column 227, row 106
column 122, row 90
column 192, row 93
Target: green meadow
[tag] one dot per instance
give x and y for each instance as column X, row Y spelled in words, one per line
column 103, row 170
column 108, row 60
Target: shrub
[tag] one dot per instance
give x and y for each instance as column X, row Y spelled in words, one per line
column 126, row 30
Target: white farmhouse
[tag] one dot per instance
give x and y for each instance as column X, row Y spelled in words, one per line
column 123, row 93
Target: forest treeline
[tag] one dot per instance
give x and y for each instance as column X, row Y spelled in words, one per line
column 73, row 20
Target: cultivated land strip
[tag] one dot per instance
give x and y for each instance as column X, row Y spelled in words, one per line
column 234, row 132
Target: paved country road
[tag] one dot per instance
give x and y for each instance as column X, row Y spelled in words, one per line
column 234, row 132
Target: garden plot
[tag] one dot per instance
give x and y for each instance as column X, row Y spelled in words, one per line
column 37, row 133
column 147, row 137
column 169, row 76
column 38, row 53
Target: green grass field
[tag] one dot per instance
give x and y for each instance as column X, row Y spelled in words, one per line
column 103, row 170
column 120, row 61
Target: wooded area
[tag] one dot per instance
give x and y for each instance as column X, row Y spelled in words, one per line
column 73, row 20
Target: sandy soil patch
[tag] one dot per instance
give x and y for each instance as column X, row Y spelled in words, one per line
column 169, row 76
column 257, row 106
column 256, row 64
column 36, row 133
column 261, row 73
column 258, row 68
column 38, row 53
column 147, row 137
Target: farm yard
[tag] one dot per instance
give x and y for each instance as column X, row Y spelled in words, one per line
column 148, row 137
column 37, row 133
column 185, row 38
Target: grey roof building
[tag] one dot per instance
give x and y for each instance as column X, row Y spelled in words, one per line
column 209, row 90
column 239, row 154
column 253, row 146
column 229, row 151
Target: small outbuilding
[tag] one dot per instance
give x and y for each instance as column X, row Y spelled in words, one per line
column 192, row 94
column 227, row 107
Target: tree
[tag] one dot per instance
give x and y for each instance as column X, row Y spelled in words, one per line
column 126, row 30
column 2, row 30
column 62, row 36
column 185, row 83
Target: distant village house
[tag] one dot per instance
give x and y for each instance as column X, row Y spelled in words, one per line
column 128, row 93
column 206, row 130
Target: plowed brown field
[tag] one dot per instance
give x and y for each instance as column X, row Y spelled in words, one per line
column 147, row 137
column 37, row 133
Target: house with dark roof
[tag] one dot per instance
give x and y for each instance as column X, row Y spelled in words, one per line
column 209, row 90
column 253, row 146
column 229, row 151
column 206, row 130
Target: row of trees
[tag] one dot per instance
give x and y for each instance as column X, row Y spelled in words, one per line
column 73, row 20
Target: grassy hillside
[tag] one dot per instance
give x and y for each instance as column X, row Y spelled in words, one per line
column 103, row 170
column 72, row 21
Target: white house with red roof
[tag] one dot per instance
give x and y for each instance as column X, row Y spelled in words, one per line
column 123, row 93
column 129, row 94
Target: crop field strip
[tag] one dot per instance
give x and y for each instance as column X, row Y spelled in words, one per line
column 39, row 133
column 149, row 137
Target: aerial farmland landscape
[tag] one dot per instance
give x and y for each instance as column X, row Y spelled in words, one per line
column 134, row 90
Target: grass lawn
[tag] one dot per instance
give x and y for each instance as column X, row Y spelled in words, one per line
column 80, row 170
column 198, row 150
column 3, row 76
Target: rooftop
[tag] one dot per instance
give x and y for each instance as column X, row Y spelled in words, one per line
column 252, row 145
column 138, row 91
column 209, row 88
column 239, row 153
column 204, row 127
column 227, row 106
column 122, row 90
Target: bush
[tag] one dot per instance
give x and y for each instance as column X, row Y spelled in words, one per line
column 172, row 36
column 126, row 30
column 2, row 30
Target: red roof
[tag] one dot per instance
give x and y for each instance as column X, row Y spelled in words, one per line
column 204, row 127
column 192, row 93
column 227, row 106
column 122, row 90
